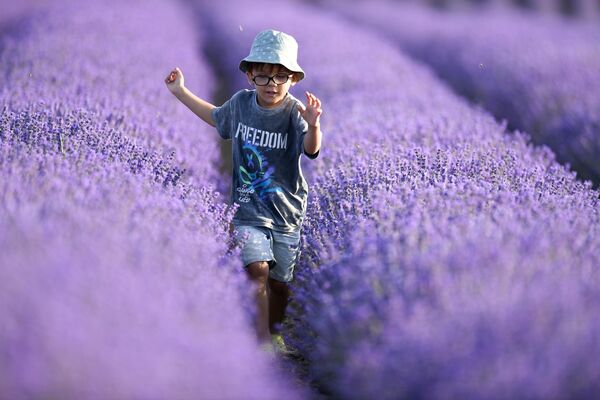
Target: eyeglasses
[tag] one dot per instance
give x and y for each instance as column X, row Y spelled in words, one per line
column 278, row 79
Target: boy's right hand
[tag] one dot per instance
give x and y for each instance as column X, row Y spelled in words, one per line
column 175, row 81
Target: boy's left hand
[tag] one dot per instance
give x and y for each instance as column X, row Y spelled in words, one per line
column 312, row 112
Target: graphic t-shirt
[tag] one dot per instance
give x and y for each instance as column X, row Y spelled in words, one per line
column 267, row 183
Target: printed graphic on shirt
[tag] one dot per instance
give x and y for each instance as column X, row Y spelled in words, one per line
column 255, row 175
column 261, row 138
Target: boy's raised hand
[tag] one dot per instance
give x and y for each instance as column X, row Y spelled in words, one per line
column 312, row 112
column 175, row 81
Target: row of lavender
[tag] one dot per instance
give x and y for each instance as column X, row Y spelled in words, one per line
column 443, row 257
column 578, row 8
column 11, row 12
column 111, row 86
column 114, row 280
column 538, row 73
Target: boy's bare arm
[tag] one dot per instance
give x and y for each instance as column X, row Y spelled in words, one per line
column 198, row 106
column 312, row 115
column 202, row 108
column 312, row 140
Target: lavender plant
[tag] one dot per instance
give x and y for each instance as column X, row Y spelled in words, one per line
column 122, row 69
column 116, row 277
column 536, row 72
column 443, row 256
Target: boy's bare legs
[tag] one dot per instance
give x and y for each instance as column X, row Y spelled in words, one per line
column 271, row 301
column 278, row 299
column 258, row 273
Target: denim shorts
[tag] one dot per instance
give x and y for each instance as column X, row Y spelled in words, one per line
column 280, row 249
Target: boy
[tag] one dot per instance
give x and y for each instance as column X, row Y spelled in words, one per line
column 269, row 130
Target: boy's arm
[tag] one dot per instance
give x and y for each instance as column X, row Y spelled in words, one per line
column 312, row 115
column 312, row 140
column 201, row 108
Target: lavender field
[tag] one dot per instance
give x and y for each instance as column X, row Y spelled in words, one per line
column 444, row 255
column 538, row 72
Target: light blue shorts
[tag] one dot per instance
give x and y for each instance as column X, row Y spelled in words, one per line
column 280, row 249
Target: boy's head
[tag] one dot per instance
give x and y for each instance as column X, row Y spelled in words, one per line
column 272, row 66
column 274, row 47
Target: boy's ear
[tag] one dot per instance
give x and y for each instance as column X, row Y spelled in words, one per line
column 249, row 77
column 295, row 78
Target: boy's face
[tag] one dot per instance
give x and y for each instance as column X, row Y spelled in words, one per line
column 272, row 94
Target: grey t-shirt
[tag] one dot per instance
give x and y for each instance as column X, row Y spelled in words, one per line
column 267, row 184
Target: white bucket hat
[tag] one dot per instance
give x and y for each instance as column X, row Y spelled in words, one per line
column 274, row 47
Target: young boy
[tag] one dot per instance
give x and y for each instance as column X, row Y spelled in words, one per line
column 269, row 129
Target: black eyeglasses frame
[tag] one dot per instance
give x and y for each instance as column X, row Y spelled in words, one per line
column 272, row 78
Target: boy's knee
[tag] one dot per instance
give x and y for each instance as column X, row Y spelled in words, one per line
column 258, row 271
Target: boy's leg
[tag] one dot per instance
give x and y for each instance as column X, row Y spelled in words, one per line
column 286, row 250
column 256, row 254
column 279, row 294
column 258, row 272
